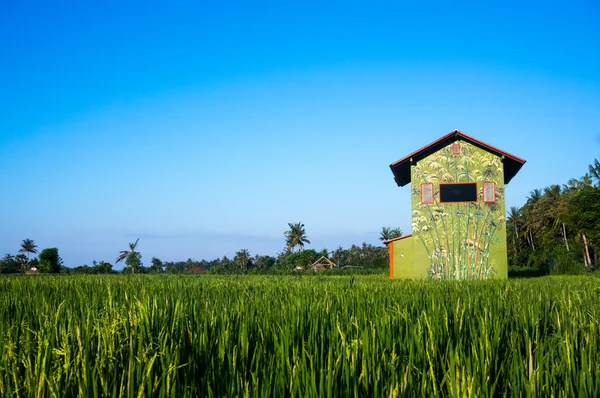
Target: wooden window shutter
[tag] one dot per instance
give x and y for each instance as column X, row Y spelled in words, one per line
column 489, row 191
column 427, row 193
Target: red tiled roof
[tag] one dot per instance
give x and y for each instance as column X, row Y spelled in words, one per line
column 401, row 168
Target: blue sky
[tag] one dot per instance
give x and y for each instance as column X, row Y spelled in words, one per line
column 204, row 128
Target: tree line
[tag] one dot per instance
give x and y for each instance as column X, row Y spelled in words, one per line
column 558, row 225
column 292, row 256
column 48, row 260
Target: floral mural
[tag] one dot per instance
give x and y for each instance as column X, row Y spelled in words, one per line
column 459, row 238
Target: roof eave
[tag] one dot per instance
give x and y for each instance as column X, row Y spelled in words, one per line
column 456, row 134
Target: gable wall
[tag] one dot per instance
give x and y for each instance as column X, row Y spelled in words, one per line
column 459, row 240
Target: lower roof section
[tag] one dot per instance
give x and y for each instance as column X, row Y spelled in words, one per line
column 395, row 239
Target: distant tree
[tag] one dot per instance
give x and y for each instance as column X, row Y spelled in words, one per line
column 385, row 234
column 8, row 265
column 134, row 263
column 531, row 219
column 156, row 266
column 306, row 258
column 264, row 263
column 28, row 246
column 242, row 259
column 5, row 262
column 338, row 256
column 594, row 171
column 389, row 233
column 227, row 264
column 34, row 262
column 583, row 216
column 22, row 262
column 102, row 267
column 303, row 258
column 50, row 261
column 296, row 236
column 367, row 256
column 133, row 259
column 83, row 269
column 174, row 267
column 513, row 225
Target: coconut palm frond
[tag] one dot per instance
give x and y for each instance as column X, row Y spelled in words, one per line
column 132, row 246
column 123, row 254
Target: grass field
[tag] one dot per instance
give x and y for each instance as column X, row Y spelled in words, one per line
column 298, row 336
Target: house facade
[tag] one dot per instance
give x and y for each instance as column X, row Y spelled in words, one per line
column 458, row 210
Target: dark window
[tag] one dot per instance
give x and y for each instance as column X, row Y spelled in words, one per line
column 466, row 192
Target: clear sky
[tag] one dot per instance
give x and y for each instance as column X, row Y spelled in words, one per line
column 205, row 127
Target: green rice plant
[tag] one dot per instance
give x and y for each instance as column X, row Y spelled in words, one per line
column 297, row 336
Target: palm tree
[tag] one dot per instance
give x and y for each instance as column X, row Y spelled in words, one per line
column 531, row 216
column 389, row 233
column 554, row 201
column 514, row 220
column 131, row 257
column 22, row 261
column 594, row 171
column 28, row 246
column 242, row 258
column 296, row 236
column 337, row 255
column 534, row 196
column 574, row 185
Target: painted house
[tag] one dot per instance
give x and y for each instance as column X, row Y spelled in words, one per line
column 458, row 210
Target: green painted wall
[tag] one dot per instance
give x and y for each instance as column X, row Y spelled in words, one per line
column 402, row 259
column 459, row 240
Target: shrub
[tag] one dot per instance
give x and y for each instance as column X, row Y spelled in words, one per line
column 566, row 265
column 565, row 262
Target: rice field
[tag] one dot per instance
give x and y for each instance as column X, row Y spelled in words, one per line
column 297, row 336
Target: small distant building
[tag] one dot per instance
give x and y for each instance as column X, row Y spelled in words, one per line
column 458, row 210
column 32, row 271
column 195, row 270
column 323, row 263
